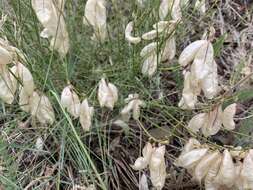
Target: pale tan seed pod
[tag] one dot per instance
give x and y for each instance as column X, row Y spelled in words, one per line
column 8, row 85
column 133, row 107
column 197, row 122
column 209, row 84
column 189, row 53
column 143, row 184
column 45, row 112
column 239, row 179
column 5, row 56
column 150, row 35
column 169, row 50
column 189, row 95
column 149, row 66
column 142, row 162
column 24, row 100
column 205, row 164
column 161, row 25
column 149, row 49
column 107, row 94
column 95, row 15
column 189, row 159
column 164, row 8
column 210, row 183
column 190, row 145
column 246, row 171
column 203, row 61
column 226, row 175
column 128, row 36
column 25, row 77
column 41, row 108
column 213, row 122
column 70, row 101
column 50, row 14
column 157, row 167
column 228, row 117
column 201, row 6
column 86, row 114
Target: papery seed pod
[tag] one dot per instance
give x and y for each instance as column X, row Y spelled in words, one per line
column 228, row 117
column 70, row 100
column 45, row 112
column 5, row 56
column 148, row 49
column 24, row 100
column 128, row 36
column 239, row 179
column 133, row 104
column 142, row 162
column 189, row 159
column 86, row 113
column 213, row 122
column 209, row 84
column 226, row 175
column 50, row 16
column 25, row 77
column 150, row 35
column 95, row 15
column 107, row 94
column 190, row 145
column 149, row 65
column 176, row 13
column 201, row 6
column 143, row 184
column 210, row 183
column 169, row 50
column 203, row 61
column 189, row 95
column 246, row 171
column 189, row 53
column 197, row 122
column 34, row 103
column 161, row 25
column 39, row 144
column 157, row 167
column 164, row 8
column 205, row 164
column 8, row 85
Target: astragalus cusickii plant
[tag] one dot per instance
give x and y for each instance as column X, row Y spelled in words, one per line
column 104, row 94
